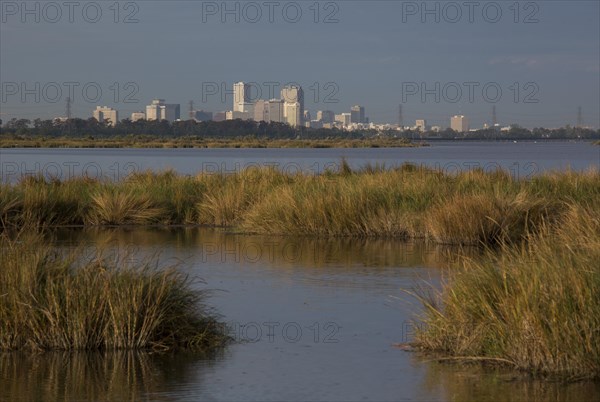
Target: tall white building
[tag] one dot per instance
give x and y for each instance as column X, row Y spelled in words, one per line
column 459, row 123
column 242, row 100
column 292, row 114
column 106, row 114
column 294, row 94
column 159, row 110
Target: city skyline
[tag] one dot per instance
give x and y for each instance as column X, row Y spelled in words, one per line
column 374, row 53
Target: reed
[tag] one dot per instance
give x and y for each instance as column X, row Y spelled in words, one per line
column 472, row 207
column 52, row 301
column 535, row 307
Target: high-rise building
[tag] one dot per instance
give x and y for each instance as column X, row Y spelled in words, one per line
column 242, row 100
column 275, row 111
column 261, row 110
column 294, row 94
column 135, row 116
column 292, row 114
column 105, row 114
column 421, row 125
column 159, row 110
column 459, row 123
column 170, row 112
column 357, row 114
column 343, row 118
column 325, row 116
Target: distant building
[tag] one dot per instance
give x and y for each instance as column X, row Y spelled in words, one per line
column 421, row 125
column 261, row 110
column 234, row 115
column 159, row 110
column 275, row 111
column 242, row 100
column 219, row 116
column 316, row 124
column 459, row 123
column 344, row 118
column 105, row 114
column 357, row 114
column 294, row 94
column 292, row 114
column 135, row 116
column 325, row 116
column 201, row 115
column 307, row 117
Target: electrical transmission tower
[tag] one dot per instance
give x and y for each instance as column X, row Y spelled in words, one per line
column 68, row 108
column 579, row 117
column 400, row 117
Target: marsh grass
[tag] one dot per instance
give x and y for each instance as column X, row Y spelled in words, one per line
column 535, row 307
column 408, row 201
column 52, row 301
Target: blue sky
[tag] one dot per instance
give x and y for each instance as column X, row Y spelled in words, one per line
column 373, row 53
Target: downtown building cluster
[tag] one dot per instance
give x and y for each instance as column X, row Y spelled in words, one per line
column 288, row 109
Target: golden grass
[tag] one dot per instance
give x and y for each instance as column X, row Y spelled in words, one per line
column 536, row 307
column 474, row 207
column 50, row 301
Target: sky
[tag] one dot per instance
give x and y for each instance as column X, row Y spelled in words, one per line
column 537, row 62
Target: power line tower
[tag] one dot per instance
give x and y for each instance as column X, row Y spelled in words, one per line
column 400, row 117
column 579, row 117
column 191, row 110
column 494, row 119
column 68, row 108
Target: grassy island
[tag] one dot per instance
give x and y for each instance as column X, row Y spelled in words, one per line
column 50, row 301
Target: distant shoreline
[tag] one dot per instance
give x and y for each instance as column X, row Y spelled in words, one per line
column 194, row 142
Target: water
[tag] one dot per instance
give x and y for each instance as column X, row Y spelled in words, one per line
column 313, row 319
column 522, row 159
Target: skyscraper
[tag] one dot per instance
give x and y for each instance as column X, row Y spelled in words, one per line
column 459, row 123
column 293, row 94
column 275, row 111
column 292, row 114
column 357, row 114
column 261, row 110
column 242, row 101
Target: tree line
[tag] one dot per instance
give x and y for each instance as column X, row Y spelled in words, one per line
column 91, row 128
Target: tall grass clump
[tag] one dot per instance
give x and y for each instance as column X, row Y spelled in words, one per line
column 535, row 307
column 50, row 301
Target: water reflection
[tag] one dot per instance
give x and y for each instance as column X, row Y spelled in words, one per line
column 209, row 245
column 472, row 382
column 111, row 376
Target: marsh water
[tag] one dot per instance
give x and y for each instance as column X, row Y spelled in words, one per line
column 522, row 159
column 312, row 319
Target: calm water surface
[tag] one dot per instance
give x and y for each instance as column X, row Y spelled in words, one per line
column 313, row 320
column 523, row 159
